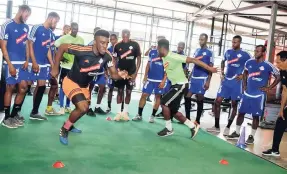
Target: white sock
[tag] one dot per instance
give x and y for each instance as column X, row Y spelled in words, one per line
column 168, row 125
column 98, row 105
column 189, row 123
column 126, row 108
column 253, row 131
column 119, row 107
column 238, row 129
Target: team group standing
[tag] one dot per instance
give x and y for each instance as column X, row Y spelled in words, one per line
column 40, row 56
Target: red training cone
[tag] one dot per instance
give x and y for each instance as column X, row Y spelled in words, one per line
column 241, row 141
column 223, row 162
column 109, row 118
column 58, row 164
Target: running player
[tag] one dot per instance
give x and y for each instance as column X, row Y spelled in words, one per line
column 128, row 55
column 255, row 80
column 88, row 61
column 111, row 82
column 154, row 81
column 40, row 53
column 200, row 78
column 67, row 63
column 231, row 85
column 14, row 47
column 170, row 102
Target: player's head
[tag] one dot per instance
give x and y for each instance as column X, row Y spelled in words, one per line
column 74, row 29
column 96, row 29
column 281, row 62
column 66, row 29
column 101, row 41
column 180, row 47
column 126, row 35
column 203, row 39
column 113, row 39
column 163, row 47
column 160, row 37
column 53, row 19
column 23, row 13
column 282, row 55
column 236, row 41
column 259, row 51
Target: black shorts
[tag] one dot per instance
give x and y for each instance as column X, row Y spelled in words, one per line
column 173, row 97
column 121, row 84
column 64, row 72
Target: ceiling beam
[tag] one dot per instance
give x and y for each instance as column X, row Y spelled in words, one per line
column 203, row 8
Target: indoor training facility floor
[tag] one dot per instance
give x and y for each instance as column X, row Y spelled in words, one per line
column 108, row 147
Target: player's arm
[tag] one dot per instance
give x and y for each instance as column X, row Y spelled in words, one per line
column 244, row 81
column 147, row 52
column 4, row 36
column 201, row 64
column 59, row 41
column 210, row 73
column 58, row 57
column 146, row 70
column 223, row 64
column 31, row 40
column 162, row 83
column 49, row 56
column 276, row 75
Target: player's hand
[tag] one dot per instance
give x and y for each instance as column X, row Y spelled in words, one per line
column 213, row 69
column 145, row 79
column 206, row 86
column 12, row 70
column 239, row 77
column 25, row 65
column 281, row 115
column 35, row 67
column 123, row 74
column 54, row 72
column 161, row 85
column 265, row 89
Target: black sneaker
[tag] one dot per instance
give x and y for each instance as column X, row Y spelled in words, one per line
column 165, row 132
column 250, row 140
column 91, row 112
column 148, row 100
column 37, row 116
column 29, row 93
column 194, row 130
column 160, row 115
column 270, row 152
column 99, row 111
column 108, row 110
column 64, row 136
column 20, row 117
column 233, row 136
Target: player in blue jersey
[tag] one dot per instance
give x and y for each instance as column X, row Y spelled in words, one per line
column 40, row 53
column 255, row 85
column 154, row 82
column 14, row 47
column 231, row 85
column 200, row 78
column 111, row 82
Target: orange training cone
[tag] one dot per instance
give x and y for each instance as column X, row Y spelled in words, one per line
column 223, row 162
column 58, row 164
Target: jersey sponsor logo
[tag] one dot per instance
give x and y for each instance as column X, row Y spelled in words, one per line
column 156, row 59
column 6, row 36
column 131, row 47
column 256, row 79
column 254, row 74
column 261, row 68
column 158, row 63
column 101, row 61
column 235, row 65
column 126, row 54
column 21, row 38
column 25, row 29
column 130, row 58
column 46, row 42
column 16, row 31
column 239, row 55
column 91, row 68
column 232, row 61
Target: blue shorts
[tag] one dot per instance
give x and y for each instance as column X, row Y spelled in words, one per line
column 196, row 86
column 42, row 74
column 150, row 87
column 100, row 80
column 167, row 86
column 111, row 83
column 230, row 89
column 20, row 74
column 253, row 105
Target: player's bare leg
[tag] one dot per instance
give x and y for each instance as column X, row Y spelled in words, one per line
column 217, row 109
column 101, row 93
column 51, row 96
column 235, row 135
column 38, row 95
column 142, row 103
column 126, row 106
column 110, row 96
column 8, row 121
column 234, row 105
column 120, row 99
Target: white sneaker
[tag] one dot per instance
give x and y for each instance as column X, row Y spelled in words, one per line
column 226, row 132
column 68, row 110
column 211, row 113
column 213, row 129
column 62, row 111
column 151, row 119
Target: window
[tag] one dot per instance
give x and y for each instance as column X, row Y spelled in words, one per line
column 69, row 7
column 20, row 2
column 147, row 33
column 87, row 37
column 110, row 3
column 38, row 16
column 134, row 7
column 179, row 25
column 120, row 25
column 139, row 19
column 162, row 12
column 123, row 16
column 88, row 10
column 56, row 5
column 165, row 23
column 3, row 8
column 35, row 3
column 105, row 23
column 177, row 36
column 179, row 15
column 149, row 19
column 138, row 31
column 159, row 31
column 87, row 23
column 106, row 13
column 68, row 18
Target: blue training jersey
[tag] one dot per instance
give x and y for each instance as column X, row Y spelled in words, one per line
column 53, row 47
column 236, row 60
column 156, row 69
column 16, row 36
column 206, row 56
column 41, row 37
column 258, row 75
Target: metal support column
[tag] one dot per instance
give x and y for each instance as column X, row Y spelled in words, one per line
column 221, row 36
column 271, row 44
column 190, row 39
column 225, row 33
column 9, row 9
column 211, row 31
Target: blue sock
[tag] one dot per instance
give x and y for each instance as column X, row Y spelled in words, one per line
column 61, row 97
column 68, row 102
